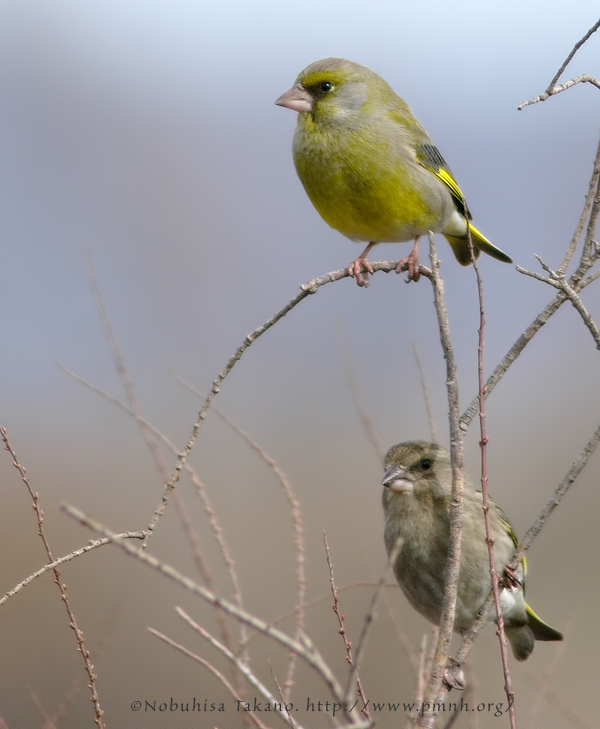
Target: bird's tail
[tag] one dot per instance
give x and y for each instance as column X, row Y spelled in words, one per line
column 460, row 247
column 541, row 630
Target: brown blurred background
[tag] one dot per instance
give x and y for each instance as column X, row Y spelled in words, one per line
column 145, row 134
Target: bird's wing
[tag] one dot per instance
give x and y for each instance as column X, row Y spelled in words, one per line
column 511, row 533
column 429, row 157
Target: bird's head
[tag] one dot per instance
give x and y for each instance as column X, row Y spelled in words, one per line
column 417, row 466
column 334, row 89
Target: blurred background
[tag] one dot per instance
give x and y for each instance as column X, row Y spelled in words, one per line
column 144, row 134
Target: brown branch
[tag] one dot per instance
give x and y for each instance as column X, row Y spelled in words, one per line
column 489, row 534
column 307, row 289
column 239, row 664
column 342, row 631
column 67, row 558
column 446, row 626
column 297, row 519
column 88, row 665
column 211, row 668
column 150, row 438
column 303, row 647
column 209, row 509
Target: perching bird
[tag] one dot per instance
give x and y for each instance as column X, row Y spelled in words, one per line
column 371, row 170
column 416, row 501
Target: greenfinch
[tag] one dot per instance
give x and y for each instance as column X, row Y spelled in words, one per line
column 371, row 170
column 416, row 503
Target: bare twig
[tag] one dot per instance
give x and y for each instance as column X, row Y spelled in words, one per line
column 186, row 652
column 553, row 88
column 150, row 437
column 592, row 193
column 307, row 289
column 209, row 509
column 67, row 558
column 558, row 281
column 291, row 721
column 446, row 626
column 367, row 621
column 89, row 667
column 240, row 665
column 576, row 468
column 342, row 631
column 297, row 520
column 577, row 282
column 304, row 648
column 489, row 535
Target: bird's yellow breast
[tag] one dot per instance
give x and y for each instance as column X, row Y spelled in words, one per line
column 362, row 187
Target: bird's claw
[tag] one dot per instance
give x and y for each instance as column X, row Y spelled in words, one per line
column 411, row 264
column 360, row 270
column 454, row 676
column 510, row 579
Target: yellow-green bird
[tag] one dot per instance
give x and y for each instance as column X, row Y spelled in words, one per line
column 416, row 503
column 371, row 170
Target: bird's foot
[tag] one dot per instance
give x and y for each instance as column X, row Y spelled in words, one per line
column 360, row 269
column 454, row 676
column 510, row 579
column 411, row 263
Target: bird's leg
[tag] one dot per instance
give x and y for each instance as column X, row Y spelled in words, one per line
column 361, row 268
column 411, row 262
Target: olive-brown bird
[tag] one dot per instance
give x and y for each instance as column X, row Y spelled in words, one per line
column 416, row 503
column 371, row 170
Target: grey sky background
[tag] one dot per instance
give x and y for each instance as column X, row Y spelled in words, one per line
column 145, row 134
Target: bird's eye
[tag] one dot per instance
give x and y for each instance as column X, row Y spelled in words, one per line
column 426, row 464
column 325, row 86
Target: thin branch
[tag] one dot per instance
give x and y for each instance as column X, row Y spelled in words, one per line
column 446, row 626
column 558, row 281
column 342, row 631
column 291, row 721
column 304, row 648
column 489, row 534
column 368, row 620
column 211, row 668
column 589, row 198
column 576, row 468
column 88, row 665
column 576, row 281
column 150, row 438
column 307, row 289
column 67, row 558
column 297, row 519
column 552, row 88
column 240, row 665
column 209, row 509
column 321, row 598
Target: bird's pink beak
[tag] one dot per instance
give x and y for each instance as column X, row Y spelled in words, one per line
column 297, row 99
column 397, row 480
